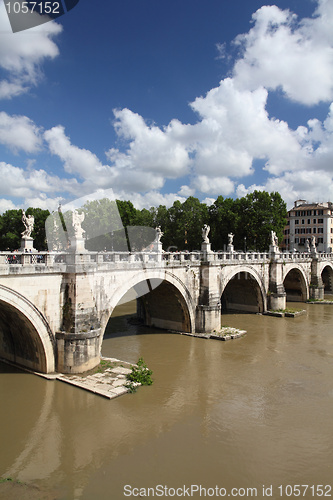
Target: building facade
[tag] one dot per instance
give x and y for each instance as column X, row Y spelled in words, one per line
column 306, row 222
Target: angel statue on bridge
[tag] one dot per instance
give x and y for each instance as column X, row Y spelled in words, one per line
column 205, row 232
column 28, row 221
column 274, row 239
column 159, row 234
column 77, row 220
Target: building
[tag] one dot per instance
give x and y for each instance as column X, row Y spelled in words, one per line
column 307, row 220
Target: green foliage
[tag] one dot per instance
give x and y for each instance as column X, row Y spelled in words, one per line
column 11, row 228
column 140, row 374
column 259, row 213
column 38, row 234
column 117, row 225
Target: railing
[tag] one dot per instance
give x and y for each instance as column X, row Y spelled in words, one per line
column 47, row 259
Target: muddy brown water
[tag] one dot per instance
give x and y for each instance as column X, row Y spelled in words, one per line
column 248, row 413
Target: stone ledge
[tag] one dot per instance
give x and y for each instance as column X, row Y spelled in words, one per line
column 325, row 302
column 225, row 333
column 285, row 314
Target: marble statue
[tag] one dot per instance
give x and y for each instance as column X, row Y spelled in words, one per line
column 159, row 234
column 313, row 244
column 205, row 232
column 274, row 239
column 230, row 238
column 77, row 220
column 307, row 244
column 28, row 221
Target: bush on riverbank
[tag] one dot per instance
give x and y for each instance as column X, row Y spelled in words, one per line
column 140, row 375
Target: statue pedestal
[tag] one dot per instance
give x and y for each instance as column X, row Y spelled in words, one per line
column 205, row 247
column 230, row 248
column 77, row 245
column 157, row 247
column 27, row 244
column 274, row 251
column 206, row 250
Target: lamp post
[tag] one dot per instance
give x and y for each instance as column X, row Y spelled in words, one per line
column 245, row 244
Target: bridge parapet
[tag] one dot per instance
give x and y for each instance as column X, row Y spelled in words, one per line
column 44, row 262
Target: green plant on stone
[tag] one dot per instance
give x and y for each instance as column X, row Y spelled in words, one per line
column 140, row 374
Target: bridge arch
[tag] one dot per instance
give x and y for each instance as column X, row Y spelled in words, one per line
column 25, row 336
column 295, row 283
column 242, row 289
column 327, row 277
column 165, row 300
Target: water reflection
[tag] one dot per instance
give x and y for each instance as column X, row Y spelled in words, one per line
column 248, row 412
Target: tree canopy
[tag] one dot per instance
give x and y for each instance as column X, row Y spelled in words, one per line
column 11, row 228
column 118, row 225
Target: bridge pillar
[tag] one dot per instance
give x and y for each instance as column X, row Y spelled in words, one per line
column 316, row 285
column 78, row 343
column 277, row 293
column 208, row 310
column 77, row 352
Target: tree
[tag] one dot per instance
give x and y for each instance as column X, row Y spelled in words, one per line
column 186, row 221
column 259, row 213
column 39, row 234
column 103, row 226
column 223, row 219
column 12, row 227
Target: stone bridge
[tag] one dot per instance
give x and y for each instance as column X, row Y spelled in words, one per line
column 54, row 307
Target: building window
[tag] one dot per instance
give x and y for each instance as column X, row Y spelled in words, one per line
column 320, row 230
column 308, row 212
column 320, row 240
column 303, row 221
column 315, row 221
column 296, row 240
column 309, row 221
column 296, row 221
column 320, row 212
column 308, row 230
column 314, row 230
column 320, row 221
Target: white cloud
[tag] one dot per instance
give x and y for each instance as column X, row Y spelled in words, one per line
column 311, row 185
column 19, row 133
column 151, row 149
column 235, row 129
column 76, row 161
column 17, row 182
column 280, row 51
column 214, row 185
column 22, row 53
column 209, row 201
column 186, row 191
column 6, row 205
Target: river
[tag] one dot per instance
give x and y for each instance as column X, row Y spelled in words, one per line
column 254, row 412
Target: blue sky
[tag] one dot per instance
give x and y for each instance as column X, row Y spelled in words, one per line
column 159, row 100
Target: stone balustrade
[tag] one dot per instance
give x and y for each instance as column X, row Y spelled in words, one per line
column 51, row 259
